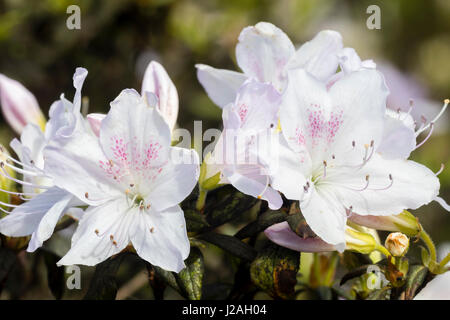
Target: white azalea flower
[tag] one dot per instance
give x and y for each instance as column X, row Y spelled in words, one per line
column 133, row 181
column 335, row 134
column 44, row 203
column 248, row 123
column 265, row 52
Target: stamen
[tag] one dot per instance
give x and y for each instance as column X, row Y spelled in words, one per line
column 19, row 193
column 5, row 174
column 20, row 170
column 8, row 205
column 427, row 137
column 324, row 168
column 444, row 107
column 440, row 170
column 385, row 188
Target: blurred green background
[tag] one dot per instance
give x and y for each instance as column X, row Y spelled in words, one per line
column 119, row 37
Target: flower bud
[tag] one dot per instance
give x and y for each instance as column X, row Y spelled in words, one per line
column 361, row 242
column 19, row 106
column 404, row 222
column 157, row 81
column 397, row 244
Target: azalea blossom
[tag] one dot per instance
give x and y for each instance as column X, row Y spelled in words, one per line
column 248, row 123
column 335, row 133
column 19, row 105
column 44, row 203
column 133, row 181
column 266, row 53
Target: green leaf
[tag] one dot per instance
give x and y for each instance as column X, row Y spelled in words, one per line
column 168, row 277
column 195, row 221
column 55, row 274
column 275, row 270
column 231, row 245
column 416, row 277
column 324, row 293
column 190, row 278
column 103, row 285
column 380, row 294
column 225, row 204
column 264, row 221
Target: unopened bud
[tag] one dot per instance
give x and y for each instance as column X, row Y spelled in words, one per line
column 397, row 244
column 19, row 106
column 404, row 222
column 360, row 241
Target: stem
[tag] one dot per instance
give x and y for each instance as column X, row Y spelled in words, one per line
column 201, row 200
column 445, row 261
column 384, row 251
column 427, row 239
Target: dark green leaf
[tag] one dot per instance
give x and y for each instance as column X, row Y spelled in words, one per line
column 231, row 245
column 324, row 293
column 416, row 277
column 275, row 270
column 168, row 277
column 190, row 278
column 195, row 221
column 226, row 205
column 55, row 274
column 264, row 221
column 103, row 285
column 379, row 294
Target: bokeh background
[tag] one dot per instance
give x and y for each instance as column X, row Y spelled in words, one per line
column 119, row 37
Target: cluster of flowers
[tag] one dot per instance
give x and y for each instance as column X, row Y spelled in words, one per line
column 312, row 125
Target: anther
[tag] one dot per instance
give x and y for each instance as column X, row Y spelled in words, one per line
column 111, row 237
column 152, row 229
column 114, row 243
column 97, row 232
column 86, row 195
column 324, row 168
column 353, row 143
column 131, row 185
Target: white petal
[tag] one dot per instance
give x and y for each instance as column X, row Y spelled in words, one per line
column 263, row 52
column 283, row 235
column 37, row 216
column 256, row 107
column 78, row 79
column 19, row 106
column 253, row 180
column 78, row 166
column 319, row 56
column 288, row 170
column 51, row 217
column 102, row 232
column 161, row 238
column 95, row 121
column 361, row 97
column 304, row 113
column 412, row 186
column 157, row 81
column 324, row 214
column 133, row 134
column 399, row 138
column 175, row 181
column 221, row 85
column 436, row 289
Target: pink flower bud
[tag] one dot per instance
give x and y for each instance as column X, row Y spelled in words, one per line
column 19, row 106
column 157, row 81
